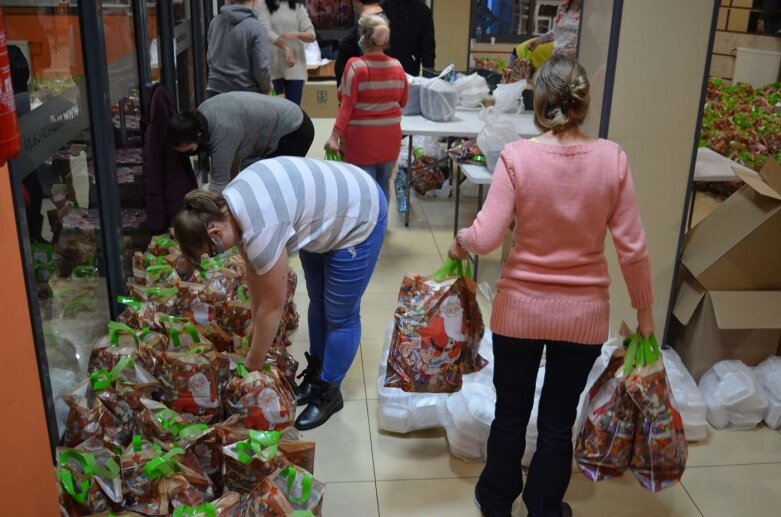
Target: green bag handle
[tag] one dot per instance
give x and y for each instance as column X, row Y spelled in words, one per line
column 167, row 318
column 242, row 293
column 167, row 418
column 303, row 513
column 101, row 379
column 138, row 442
column 163, row 465
column 161, row 292
column 640, row 352
column 161, row 241
column 153, row 260
column 241, row 370
column 160, row 272
column 451, row 268
column 183, row 431
column 115, row 329
column 333, row 156
column 211, row 263
column 260, row 444
column 90, row 465
column 174, row 333
column 245, row 344
column 207, row 509
column 66, row 478
column 84, row 271
column 135, row 305
column 290, row 474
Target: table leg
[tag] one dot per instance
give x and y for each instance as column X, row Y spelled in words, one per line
column 457, row 179
column 409, row 181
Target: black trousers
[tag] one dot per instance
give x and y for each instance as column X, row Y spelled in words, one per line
column 515, row 374
column 298, row 142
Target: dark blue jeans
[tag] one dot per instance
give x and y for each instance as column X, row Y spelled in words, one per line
column 293, row 90
column 516, row 362
column 336, row 282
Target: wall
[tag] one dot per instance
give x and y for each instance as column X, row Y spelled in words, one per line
column 451, row 27
column 655, row 104
column 592, row 54
column 26, row 471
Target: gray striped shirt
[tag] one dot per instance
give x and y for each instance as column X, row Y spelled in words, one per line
column 301, row 204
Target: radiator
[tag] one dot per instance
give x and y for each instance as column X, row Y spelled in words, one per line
column 756, row 67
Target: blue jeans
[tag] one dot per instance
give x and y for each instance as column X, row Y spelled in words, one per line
column 293, row 90
column 336, row 282
column 381, row 172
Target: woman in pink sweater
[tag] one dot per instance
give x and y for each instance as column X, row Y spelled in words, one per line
column 564, row 191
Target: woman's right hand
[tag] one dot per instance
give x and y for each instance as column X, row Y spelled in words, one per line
column 533, row 44
column 645, row 322
column 290, row 57
column 332, row 144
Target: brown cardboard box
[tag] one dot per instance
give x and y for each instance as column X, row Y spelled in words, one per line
column 728, row 304
column 319, row 99
column 323, row 72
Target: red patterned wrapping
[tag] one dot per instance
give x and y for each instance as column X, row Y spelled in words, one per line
column 302, row 490
column 263, row 400
column 438, row 328
column 236, row 317
column 89, row 418
column 266, row 500
column 100, row 476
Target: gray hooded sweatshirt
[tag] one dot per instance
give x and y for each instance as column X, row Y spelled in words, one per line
column 238, row 53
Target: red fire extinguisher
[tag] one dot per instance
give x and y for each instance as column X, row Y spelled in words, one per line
column 9, row 131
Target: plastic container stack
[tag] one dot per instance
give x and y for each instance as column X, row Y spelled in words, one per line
column 735, row 398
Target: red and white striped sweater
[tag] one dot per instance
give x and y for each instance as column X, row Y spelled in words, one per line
column 373, row 91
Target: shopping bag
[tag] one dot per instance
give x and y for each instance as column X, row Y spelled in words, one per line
column 248, row 462
column 660, row 448
column 302, row 490
column 604, row 445
column 263, row 399
column 496, row 133
column 438, row 100
column 88, row 478
column 438, row 327
column 333, row 156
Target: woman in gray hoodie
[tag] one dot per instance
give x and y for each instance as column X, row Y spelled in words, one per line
column 239, row 50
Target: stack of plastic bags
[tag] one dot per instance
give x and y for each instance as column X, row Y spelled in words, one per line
column 769, row 374
column 735, row 397
column 688, row 398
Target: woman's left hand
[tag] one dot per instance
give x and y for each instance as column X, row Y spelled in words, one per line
column 332, row 144
column 456, row 251
column 254, row 363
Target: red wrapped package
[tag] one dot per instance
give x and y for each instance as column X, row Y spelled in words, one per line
column 158, row 423
column 250, row 461
column 122, row 341
column 141, row 261
column 263, row 399
column 660, row 449
column 161, row 245
column 222, row 341
column 176, row 259
column 299, row 452
column 89, row 479
column 437, row 332
column 156, row 483
column 236, row 317
column 266, row 500
column 163, row 276
column 229, row 505
column 89, row 418
column 139, row 315
column 192, row 382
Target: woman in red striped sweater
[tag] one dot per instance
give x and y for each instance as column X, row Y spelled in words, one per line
column 373, row 91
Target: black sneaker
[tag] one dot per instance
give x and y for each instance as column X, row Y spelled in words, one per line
column 326, row 399
column 566, row 510
column 314, row 367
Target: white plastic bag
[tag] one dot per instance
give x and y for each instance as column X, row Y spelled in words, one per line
column 769, row 374
column 496, row 133
column 472, row 89
column 313, row 55
column 509, row 97
column 413, row 97
column 402, row 412
column 686, row 396
column 468, row 423
column 61, row 382
column 438, row 101
column 734, row 396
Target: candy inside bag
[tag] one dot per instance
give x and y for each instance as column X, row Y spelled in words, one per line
column 163, row 276
column 159, row 424
column 263, row 399
column 302, row 490
column 89, row 479
column 248, row 462
column 89, row 418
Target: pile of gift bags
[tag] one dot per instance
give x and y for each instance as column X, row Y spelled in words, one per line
column 170, row 421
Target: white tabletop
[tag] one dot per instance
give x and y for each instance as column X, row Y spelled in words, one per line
column 477, row 174
column 466, row 124
column 711, row 166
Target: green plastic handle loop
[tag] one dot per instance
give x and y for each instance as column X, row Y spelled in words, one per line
column 84, row 271
column 241, row 370
column 163, row 465
column 160, row 272
column 291, row 474
column 167, row 318
column 333, row 156
column 640, row 352
column 90, row 465
column 101, row 379
column 153, row 260
column 260, row 444
column 245, row 343
column 452, row 268
column 207, row 509
column 182, row 431
column 115, row 329
column 242, row 293
column 174, row 333
column 161, row 292
column 161, row 241
column 137, row 442
column 167, row 418
column 303, row 513
column 211, row 263
column 135, row 305
column 66, row 478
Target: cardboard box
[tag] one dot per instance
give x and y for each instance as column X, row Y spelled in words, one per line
column 320, row 99
column 728, row 304
column 323, row 72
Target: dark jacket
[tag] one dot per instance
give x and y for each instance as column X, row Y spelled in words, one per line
column 348, row 48
column 239, row 52
column 412, row 34
column 168, row 175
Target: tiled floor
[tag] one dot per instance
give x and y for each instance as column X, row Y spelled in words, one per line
column 373, row 473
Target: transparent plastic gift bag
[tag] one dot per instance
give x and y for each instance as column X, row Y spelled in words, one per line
column 496, row 133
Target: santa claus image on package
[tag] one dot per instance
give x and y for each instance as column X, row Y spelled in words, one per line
column 266, row 412
column 199, row 395
column 444, row 337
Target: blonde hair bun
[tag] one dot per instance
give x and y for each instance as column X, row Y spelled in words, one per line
column 374, row 30
column 561, row 94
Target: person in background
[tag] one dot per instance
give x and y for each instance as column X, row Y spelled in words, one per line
column 412, row 26
column 348, row 45
column 564, row 191
column 287, row 25
column 372, row 93
column 334, row 216
column 240, row 126
column 238, row 51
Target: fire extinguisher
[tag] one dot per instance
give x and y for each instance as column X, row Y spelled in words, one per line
column 9, row 131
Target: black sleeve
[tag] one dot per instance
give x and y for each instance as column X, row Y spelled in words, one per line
column 348, row 48
column 427, row 46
